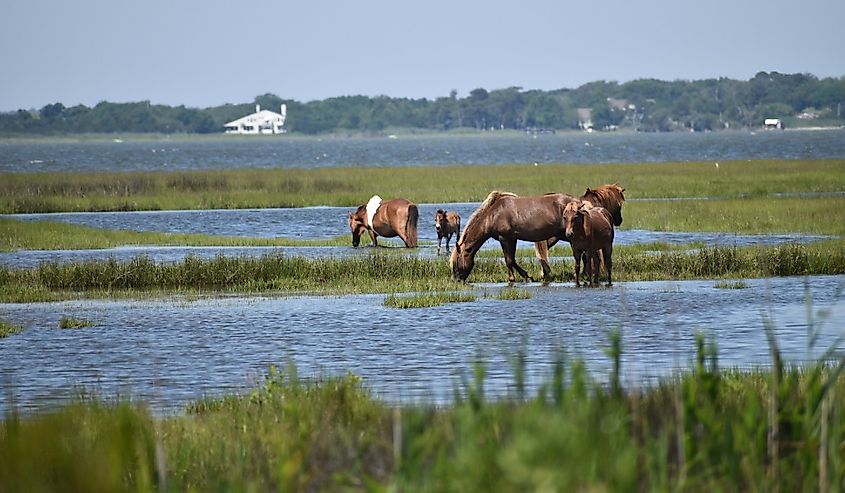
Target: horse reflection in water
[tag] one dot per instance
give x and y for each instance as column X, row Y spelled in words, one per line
column 387, row 218
column 507, row 218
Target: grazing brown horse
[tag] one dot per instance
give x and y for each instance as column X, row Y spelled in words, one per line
column 589, row 231
column 507, row 218
column 609, row 196
column 446, row 224
column 388, row 218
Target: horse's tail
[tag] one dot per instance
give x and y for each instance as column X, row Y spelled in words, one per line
column 411, row 225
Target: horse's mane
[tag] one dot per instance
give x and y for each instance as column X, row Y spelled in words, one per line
column 492, row 197
column 609, row 195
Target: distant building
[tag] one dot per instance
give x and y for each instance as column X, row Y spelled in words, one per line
column 773, row 123
column 262, row 122
column 585, row 119
column 620, row 104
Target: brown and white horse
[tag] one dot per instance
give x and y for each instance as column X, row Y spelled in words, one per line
column 507, row 218
column 446, row 224
column 388, row 218
column 609, row 196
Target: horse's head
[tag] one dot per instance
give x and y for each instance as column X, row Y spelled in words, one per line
column 571, row 213
column 609, row 196
column 440, row 220
column 357, row 225
column 462, row 261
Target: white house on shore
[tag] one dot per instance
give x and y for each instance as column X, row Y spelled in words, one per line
column 773, row 123
column 262, row 122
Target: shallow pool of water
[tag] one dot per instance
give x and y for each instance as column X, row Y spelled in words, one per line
column 169, row 352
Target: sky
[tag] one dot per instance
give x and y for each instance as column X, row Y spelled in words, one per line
column 207, row 53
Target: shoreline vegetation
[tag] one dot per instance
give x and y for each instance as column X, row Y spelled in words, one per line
column 704, row 429
column 281, row 275
column 350, row 187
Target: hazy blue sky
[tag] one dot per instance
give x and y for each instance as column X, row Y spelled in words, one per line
column 205, row 53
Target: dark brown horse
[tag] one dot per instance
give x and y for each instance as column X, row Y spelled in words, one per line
column 388, row 218
column 609, row 196
column 446, row 224
column 508, row 218
column 589, row 230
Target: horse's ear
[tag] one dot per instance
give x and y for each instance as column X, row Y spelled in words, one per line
column 588, row 191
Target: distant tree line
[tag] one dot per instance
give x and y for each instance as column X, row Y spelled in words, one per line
column 646, row 105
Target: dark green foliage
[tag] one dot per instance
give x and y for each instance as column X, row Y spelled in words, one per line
column 644, row 104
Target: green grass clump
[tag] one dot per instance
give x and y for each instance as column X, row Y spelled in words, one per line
column 67, row 322
column 512, row 293
column 426, row 300
column 7, row 329
column 731, row 285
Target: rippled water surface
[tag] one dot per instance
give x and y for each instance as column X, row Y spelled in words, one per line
column 292, row 152
column 169, row 352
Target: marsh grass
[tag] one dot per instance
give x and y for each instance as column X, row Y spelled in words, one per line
column 386, row 272
column 511, row 293
column 48, row 235
column 426, row 300
column 725, row 284
column 67, row 322
column 248, row 188
column 7, row 329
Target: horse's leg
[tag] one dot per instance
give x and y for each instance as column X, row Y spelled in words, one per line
column 448, row 237
column 577, row 254
column 509, row 249
column 439, row 239
column 588, row 268
column 403, row 235
column 541, row 251
column 607, row 253
column 595, row 267
column 373, row 237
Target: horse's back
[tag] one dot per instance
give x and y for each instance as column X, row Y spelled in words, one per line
column 454, row 220
column 601, row 223
column 402, row 215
